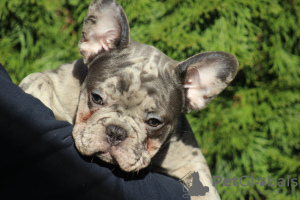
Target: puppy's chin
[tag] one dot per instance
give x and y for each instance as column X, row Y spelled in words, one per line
column 126, row 161
column 106, row 157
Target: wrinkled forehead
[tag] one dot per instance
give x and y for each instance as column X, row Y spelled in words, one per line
column 143, row 77
column 124, row 73
column 137, row 65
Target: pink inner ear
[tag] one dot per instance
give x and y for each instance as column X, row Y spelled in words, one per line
column 95, row 42
column 102, row 33
column 196, row 89
column 197, row 97
column 202, row 84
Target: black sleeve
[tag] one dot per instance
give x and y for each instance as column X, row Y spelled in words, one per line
column 39, row 160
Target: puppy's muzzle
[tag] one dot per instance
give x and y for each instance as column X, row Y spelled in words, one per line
column 115, row 134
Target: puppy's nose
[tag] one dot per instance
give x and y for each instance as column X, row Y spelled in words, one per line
column 115, row 134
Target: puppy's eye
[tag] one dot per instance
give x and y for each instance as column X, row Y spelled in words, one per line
column 153, row 122
column 97, row 98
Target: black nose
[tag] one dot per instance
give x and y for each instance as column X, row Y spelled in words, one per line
column 115, row 134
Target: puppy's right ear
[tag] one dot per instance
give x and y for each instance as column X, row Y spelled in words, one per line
column 105, row 27
column 204, row 76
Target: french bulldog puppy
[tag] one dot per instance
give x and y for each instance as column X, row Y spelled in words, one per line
column 127, row 100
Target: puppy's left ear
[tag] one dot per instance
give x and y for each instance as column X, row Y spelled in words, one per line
column 204, row 76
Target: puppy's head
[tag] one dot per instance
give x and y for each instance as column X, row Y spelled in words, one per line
column 133, row 93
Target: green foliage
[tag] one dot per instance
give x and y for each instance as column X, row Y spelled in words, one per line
column 252, row 128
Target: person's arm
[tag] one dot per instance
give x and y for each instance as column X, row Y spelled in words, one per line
column 39, row 159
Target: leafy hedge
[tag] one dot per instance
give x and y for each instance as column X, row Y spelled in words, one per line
column 252, row 128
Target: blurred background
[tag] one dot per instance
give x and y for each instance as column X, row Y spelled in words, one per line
column 252, row 128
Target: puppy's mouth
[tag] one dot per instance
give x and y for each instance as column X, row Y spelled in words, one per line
column 106, row 156
column 128, row 162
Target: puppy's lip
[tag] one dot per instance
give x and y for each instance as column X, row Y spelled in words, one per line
column 106, row 156
column 102, row 152
column 110, row 156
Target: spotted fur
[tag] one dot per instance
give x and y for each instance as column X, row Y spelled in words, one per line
column 133, row 84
